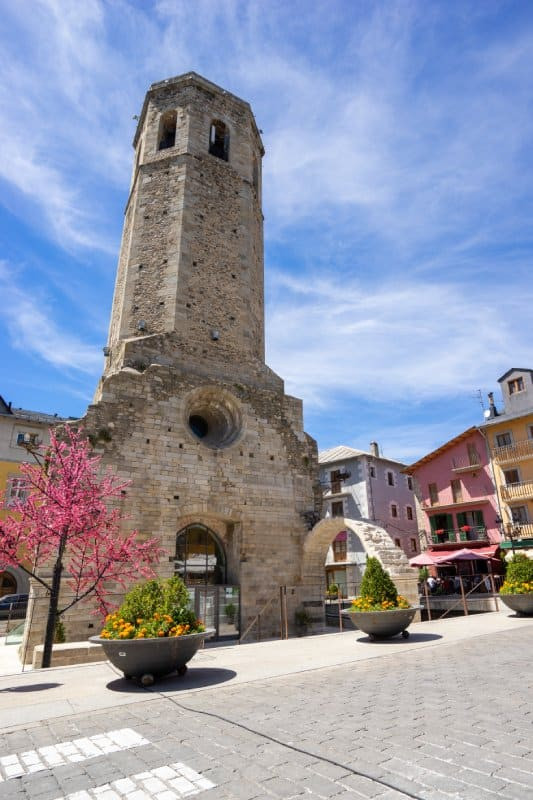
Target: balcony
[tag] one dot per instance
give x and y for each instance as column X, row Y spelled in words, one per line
column 471, row 502
column 510, row 453
column 475, row 534
column 466, row 465
column 517, row 491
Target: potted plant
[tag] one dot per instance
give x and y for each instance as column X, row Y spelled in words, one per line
column 154, row 632
column 379, row 610
column 230, row 609
column 332, row 591
column 302, row 620
column 517, row 590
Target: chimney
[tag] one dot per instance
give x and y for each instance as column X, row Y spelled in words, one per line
column 374, row 449
column 493, row 411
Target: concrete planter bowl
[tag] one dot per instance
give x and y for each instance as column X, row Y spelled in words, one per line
column 383, row 624
column 521, row 603
column 148, row 659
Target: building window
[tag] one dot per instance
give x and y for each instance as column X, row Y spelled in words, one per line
column 372, row 471
column 28, row 438
column 219, row 140
column 457, row 491
column 414, row 547
column 337, row 509
column 511, row 476
column 519, row 514
column 397, row 543
column 17, row 490
column 516, row 385
column 409, row 483
column 335, row 480
column 340, row 548
column 394, row 510
column 390, row 478
column 433, row 494
column 503, row 439
column 530, row 431
column 473, row 455
column 409, row 512
column 167, row 130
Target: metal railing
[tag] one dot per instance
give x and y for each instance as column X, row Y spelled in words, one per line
column 475, row 533
column 476, row 587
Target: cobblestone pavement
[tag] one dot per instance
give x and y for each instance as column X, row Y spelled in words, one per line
column 449, row 721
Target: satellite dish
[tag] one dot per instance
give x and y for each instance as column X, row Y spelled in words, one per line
column 486, row 413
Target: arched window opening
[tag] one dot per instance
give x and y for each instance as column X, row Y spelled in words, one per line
column 167, row 130
column 200, row 557
column 219, row 140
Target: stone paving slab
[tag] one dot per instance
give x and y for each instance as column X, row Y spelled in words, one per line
column 62, row 691
column 452, row 720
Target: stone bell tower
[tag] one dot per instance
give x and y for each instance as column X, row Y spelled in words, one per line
column 190, row 278
column 187, row 410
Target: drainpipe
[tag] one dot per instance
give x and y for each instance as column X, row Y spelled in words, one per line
column 494, row 482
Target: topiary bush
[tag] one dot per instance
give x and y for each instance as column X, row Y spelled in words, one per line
column 378, row 592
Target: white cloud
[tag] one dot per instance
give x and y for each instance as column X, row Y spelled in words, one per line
column 400, row 340
column 32, row 330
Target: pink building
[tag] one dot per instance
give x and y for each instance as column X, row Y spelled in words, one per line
column 457, row 497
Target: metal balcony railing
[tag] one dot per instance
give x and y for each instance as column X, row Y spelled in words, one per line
column 513, row 452
column 473, row 534
column 517, row 491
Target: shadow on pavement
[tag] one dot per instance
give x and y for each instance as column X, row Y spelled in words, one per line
column 33, row 687
column 413, row 637
column 195, row 678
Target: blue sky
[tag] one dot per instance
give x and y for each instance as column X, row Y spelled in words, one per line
column 397, row 181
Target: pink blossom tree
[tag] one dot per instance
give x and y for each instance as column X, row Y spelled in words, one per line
column 66, row 523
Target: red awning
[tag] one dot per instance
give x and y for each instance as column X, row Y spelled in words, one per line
column 447, row 554
column 434, row 557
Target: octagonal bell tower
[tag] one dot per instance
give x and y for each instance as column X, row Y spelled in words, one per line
column 221, row 470
column 190, row 276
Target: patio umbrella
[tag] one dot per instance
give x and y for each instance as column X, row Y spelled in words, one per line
column 422, row 560
column 461, row 555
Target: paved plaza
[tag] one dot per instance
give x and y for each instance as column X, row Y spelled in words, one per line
column 447, row 713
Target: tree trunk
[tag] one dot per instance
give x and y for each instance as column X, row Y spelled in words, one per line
column 53, row 605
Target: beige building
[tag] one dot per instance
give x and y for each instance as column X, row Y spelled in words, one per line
column 19, row 428
column 509, row 436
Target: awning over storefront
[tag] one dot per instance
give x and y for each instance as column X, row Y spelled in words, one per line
column 422, row 560
column 430, row 558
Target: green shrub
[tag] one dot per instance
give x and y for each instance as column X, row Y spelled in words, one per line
column 520, row 569
column 377, row 584
column 156, row 596
column 230, row 609
column 423, row 574
column 518, row 576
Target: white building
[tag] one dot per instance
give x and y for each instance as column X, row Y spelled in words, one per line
column 369, row 487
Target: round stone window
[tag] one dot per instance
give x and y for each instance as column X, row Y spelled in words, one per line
column 214, row 417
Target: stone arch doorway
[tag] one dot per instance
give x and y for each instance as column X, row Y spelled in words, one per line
column 201, row 561
column 373, row 540
column 318, row 542
column 200, row 556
